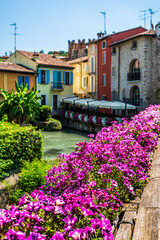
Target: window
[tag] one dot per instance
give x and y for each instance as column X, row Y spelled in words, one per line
column 92, row 64
column 104, row 57
column 104, row 79
column 43, row 76
column 134, row 71
column 113, row 71
column 85, row 82
column 23, row 80
column 114, row 95
column 84, row 66
column 55, row 102
column 134, row 45
column 92, row 84
column 113, row 50
column 103, row 97
column 43, row 99
column 67, row 78
column 92, row 49
column 104, row 44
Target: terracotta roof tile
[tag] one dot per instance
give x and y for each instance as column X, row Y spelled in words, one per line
column 77, row 60
column 46, row 59
column 11, row 67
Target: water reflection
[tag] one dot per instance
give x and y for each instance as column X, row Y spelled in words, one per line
column 64, row 141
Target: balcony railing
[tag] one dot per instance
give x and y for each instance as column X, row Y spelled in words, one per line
column 133, row 76
column 134, row 101
column 57, row 85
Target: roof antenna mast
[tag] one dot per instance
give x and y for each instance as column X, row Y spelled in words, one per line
column 15, row 34
column 151, row 13
column 104, row 14
column 144, row 16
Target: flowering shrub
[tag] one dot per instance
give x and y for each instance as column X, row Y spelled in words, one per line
column 84, row 193
column 76, row 116
column 99, row 120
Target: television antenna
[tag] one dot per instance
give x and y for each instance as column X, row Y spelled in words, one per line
column 144, row 16
column 104, row 14
column 15, row 34
column 151, row 13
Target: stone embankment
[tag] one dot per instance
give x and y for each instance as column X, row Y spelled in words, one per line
column 9, row 182
column 140, row 219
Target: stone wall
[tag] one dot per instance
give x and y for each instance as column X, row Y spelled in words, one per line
column 81, row 126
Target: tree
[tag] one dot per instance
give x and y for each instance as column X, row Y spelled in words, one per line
column 42, row 51
column 20, row 106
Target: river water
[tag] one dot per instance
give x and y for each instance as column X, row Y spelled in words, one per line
column 63, row 141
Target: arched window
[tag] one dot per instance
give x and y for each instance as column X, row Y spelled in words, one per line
column 135, row 95
column 134, row 70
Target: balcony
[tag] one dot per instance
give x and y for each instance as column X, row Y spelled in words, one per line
column 134, row 101
column 134, row 76
column 57, row 86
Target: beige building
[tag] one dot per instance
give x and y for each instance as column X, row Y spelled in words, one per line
column 92, row 67
column 55, row 77
column 135, row 69
column 81, row 85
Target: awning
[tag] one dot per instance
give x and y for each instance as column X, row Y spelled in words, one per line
column 70, row 100
column 83, row 102
column 81, row 92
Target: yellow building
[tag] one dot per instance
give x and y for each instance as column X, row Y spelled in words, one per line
column 9, row 72
column 55, row 77
column 82, row 81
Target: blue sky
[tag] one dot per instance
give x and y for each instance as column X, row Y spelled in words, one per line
column 49, row 24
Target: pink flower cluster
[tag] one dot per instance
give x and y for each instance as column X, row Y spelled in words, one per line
column 89, row 186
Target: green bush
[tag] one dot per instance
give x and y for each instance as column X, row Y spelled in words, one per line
column 53, row 125
column 18, row 144
column 32, row 176
column 45, row 113
column 50, row 125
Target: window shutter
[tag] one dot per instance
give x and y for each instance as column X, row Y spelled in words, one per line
column 71, row 78
column 27, row 82
column 48, row 76
column 54, row 76
column 20, row 81
column 39, row 76
column 60, row 76
column 64, row 77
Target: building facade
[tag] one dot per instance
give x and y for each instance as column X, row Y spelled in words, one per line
column 10, row 72
column 55, row 77
column 104, row 59
column 135, row 69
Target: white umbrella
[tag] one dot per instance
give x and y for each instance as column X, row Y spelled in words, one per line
column 70, row 100
column 84, row 101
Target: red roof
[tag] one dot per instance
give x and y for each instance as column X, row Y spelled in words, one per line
column 12, row 67
column 77, row 60
column 146, row 33
column 46, row 59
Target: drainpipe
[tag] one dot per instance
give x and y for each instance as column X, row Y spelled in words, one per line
column 119, row 76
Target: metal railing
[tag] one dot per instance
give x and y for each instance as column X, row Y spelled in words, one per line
column 133, row 76
column 57, row 85
column 134, row 101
